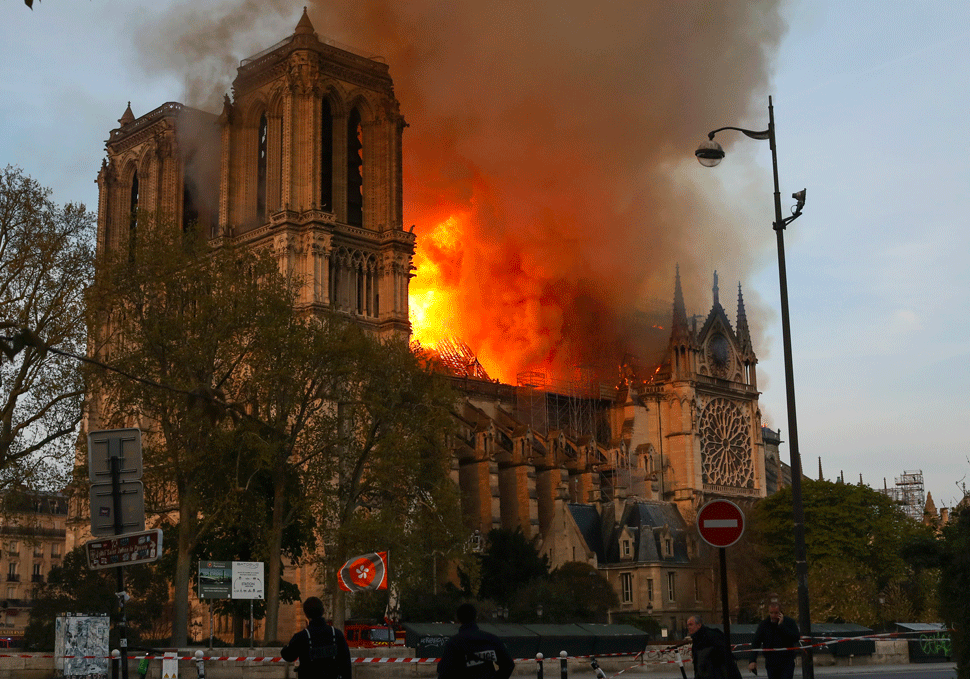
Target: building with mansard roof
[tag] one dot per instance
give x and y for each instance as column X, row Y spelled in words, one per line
column 305, row 159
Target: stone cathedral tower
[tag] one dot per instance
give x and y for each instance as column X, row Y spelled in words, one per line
column 305, row 158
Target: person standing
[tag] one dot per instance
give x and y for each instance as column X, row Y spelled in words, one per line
column 321, row 648
column 775, row 632
column 472, row 653
column 710, row 652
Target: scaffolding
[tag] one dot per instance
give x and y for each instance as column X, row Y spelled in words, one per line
column 908, row 493
column 572, row 405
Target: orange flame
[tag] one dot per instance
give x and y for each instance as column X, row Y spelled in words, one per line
column 433, row 298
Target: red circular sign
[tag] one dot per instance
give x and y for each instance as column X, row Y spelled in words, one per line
column 720, row 523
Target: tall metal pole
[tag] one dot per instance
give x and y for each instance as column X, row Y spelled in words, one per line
column 119, row 529
column 798, row 510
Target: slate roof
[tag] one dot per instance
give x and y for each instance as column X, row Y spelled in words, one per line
column 646, row 521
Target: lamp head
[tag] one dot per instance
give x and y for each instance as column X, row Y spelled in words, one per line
column 709, row 153
column 799, row 197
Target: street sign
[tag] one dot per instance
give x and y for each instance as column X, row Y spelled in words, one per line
column 215, row 579
column 123, row 550
column 103, row 445
column 720, row 523
column 247, row 579
column 132, row 508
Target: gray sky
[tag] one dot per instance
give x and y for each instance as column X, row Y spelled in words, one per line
column 872, row 105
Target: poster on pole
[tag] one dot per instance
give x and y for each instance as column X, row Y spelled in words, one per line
column 247, row 580
column 81, row 645
column 215, row 579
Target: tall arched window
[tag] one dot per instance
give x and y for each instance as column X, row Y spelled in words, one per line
column 326, row 157
column 355, row 170
column 133, row 215
column 261, row 158
column 190, row 208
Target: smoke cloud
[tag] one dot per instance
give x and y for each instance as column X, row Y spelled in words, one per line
column 548, row 162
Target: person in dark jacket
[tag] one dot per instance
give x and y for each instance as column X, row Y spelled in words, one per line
column 321, row 649
column 472, row 653
column 776, row 631
column 710, row 652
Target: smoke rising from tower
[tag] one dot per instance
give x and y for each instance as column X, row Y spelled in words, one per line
column 548, row 164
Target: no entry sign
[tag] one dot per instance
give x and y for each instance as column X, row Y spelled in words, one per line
column 720, row 523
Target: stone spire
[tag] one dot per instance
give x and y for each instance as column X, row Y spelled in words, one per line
column 820, row 477
column 678, row 328
column 929, row 509
column 717, row 302
column 744, row 334
column 304, row 27
column 127, row 116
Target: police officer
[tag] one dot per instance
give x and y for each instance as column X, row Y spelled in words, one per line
column 472, row 653
column 321, row 648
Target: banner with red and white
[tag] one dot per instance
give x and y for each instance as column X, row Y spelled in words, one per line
column 364, row 572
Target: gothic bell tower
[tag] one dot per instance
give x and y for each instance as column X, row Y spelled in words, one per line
column 311, row 164
column 709, row 407
column 304, row 160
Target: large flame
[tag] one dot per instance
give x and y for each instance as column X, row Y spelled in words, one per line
column 433, row 297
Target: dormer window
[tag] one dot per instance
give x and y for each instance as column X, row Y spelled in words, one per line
column 627, row 544
column 668, row 547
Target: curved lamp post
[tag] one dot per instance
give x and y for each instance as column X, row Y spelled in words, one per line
column 710, row 154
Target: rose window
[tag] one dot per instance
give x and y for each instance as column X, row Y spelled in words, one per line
column 726, row 445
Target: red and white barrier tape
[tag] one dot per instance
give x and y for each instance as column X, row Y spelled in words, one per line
column 823, row 641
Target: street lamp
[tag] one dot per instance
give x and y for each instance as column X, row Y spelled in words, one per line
column 710, row 154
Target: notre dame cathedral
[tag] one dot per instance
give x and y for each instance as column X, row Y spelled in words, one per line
column 305, row 158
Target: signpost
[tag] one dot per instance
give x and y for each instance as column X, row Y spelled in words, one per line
column 231, row 580
column 247, row 583
column 721, row 524
column 132, row 507
column 121, row 550
column 117, row 503
column 215, row 579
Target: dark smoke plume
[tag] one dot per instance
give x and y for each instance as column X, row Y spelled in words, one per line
column 563, row 133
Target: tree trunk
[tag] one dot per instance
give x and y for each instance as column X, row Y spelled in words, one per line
column 183, row 567
column 273, row 571
column 339, row 599
column 237, row 629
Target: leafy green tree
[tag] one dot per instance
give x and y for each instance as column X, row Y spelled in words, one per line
column 46, row 262
column 954, row 585
column 178, row 321
column 509, row 563
column 854, row 538
column 386, row 485
column 574, row 592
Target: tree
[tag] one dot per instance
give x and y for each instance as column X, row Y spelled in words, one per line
column 509, row 563
column 385, row 484
column 854, row 538
column 46, row 262
column 291, row 429
column 176, row 323
column 574, row 592
column 954, row 585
